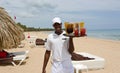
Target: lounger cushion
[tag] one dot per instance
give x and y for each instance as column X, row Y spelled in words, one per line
column 3, row 54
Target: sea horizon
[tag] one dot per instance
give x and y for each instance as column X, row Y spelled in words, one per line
column 110, row 34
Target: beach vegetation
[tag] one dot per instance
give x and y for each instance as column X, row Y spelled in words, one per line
column 33, row 28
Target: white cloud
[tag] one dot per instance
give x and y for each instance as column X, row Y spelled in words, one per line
column 42, row 11
column 40, row 6
column 66, row 5
column 88, row 5
column 25, row 14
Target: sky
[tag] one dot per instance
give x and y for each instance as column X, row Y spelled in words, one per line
column 97, row 14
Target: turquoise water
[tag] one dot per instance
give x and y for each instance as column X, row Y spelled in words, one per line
column 112, row 34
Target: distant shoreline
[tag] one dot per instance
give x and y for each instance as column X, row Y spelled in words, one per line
column 98, row 34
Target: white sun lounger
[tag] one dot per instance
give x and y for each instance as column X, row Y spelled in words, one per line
column 19, row 56
column 96, row 63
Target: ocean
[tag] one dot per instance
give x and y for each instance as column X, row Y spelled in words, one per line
column 111, row 34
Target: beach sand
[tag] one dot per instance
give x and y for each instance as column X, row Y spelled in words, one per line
column 107, row 49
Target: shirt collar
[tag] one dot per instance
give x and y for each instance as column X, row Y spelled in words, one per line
column 60, row 34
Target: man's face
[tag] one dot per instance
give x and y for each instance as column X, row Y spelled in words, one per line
column 57, row 27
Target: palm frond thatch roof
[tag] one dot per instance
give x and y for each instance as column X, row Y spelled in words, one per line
column 10, row 34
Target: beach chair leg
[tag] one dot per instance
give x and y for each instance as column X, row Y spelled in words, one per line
column 78, row 71
column 21, row 62
column 13, row 63
column 80, row 67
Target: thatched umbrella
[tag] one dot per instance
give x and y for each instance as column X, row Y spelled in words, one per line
column 10, row 34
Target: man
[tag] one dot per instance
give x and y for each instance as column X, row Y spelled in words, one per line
column 62, row 47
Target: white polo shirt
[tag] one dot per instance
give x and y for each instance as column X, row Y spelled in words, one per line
column 58, row 44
